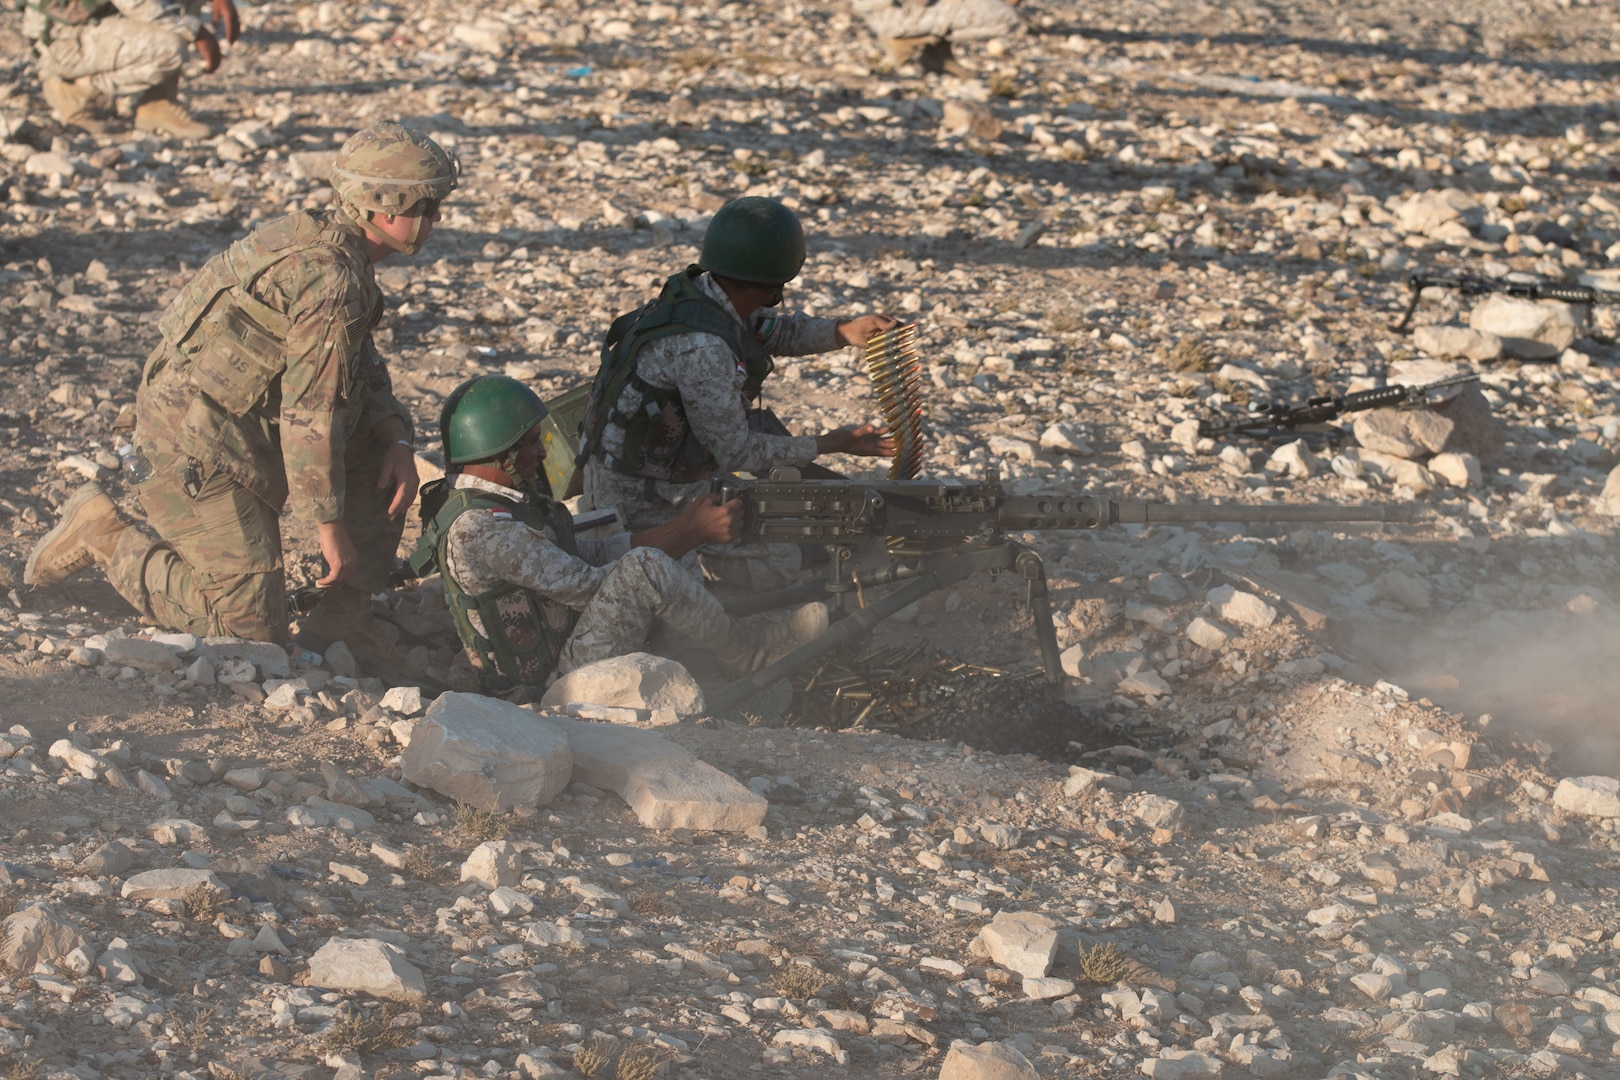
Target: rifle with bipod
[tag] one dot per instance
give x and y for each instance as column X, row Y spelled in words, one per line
column 1475, row 285
column 1277, row 422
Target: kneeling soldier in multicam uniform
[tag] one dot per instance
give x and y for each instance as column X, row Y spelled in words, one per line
column 125, row 53
column 265, row 389
column 669, row 408
column 530, row 600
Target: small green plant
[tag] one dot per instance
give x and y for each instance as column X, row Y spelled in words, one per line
column 639, row 1063
column 1191, row 354
column 474, row 826
column 366, row 1034
column 203, row 903
column 1102, row 964
column 798, row 981
column 593, row 1055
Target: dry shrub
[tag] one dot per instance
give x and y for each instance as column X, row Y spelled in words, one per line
column 593, row 1055
column 366, row 1034
column 1192, row 354
column 1102, row 964
column 799, row 981
column 474, row 826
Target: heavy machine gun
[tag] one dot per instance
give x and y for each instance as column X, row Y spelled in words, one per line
column 938, row 532
column 1475, row 285
column 1278, row 422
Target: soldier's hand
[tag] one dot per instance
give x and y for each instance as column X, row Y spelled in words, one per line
column 342, row 560
column 868, row 440
column 856, row 331
column 208, row 46
column 714, row 522
column 399, row 472
column 225, row 19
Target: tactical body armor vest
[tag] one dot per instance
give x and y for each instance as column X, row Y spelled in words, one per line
column 658, row 440
column 212, row 385
column 231, row 344
column 512, row 635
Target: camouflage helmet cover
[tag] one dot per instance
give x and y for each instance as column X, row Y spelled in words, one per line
column 486, row 416
column 389, row 168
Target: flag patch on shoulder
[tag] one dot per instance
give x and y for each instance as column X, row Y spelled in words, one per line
column 501, row 515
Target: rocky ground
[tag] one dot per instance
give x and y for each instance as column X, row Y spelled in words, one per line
column 1341, row 801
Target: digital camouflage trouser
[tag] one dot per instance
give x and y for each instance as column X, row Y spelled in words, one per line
column 207, row 560
column 641, row 587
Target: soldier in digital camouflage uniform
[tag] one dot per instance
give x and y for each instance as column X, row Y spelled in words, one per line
column 126, row 54
column 265, row 390
column 530, row 600
column 924, row 29
column 669, row 408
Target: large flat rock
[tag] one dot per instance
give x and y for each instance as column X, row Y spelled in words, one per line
column 368, row 966
column 664, row 784
column 987, row 1061
column 488, row 753
column 1021, row 941
column 634, row 681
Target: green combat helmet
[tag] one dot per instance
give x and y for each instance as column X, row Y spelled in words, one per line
column 756, row 240
column 486, row 416
column 388, row 168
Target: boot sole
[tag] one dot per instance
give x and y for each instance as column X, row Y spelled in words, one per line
column 84, row 495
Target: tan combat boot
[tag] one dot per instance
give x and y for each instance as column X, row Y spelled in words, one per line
column 159, row 112
column 87, row 534
column 344, row 614
column 758, row 640
column 70, row 103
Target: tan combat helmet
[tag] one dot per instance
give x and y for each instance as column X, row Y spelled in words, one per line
column 388, row 168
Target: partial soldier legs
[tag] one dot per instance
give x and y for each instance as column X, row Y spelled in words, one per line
column 208, row 558
column 642, row 586
column 121, row 58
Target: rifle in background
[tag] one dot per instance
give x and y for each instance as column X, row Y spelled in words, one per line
column 1277, row 422
column 1475, row 285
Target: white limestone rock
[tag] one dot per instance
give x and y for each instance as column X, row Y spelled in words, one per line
column 488, row 753
column 1529, row 329
column 1593, row 796
column 171, row 884
column 1243, row 608
column 635, row 681
column 1460, row 342
column 1022, row 941
column 37, row 935
column 663, row 783
column 987, row 1061
column 493, row 864
column 368, row 966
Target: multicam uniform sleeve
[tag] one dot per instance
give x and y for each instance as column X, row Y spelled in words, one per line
column 794, row 335
column 489, row 547
column 330, row 311
column 710, row 381
column 375, row 393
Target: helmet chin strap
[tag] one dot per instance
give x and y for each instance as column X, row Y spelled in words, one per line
column 409, row 246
